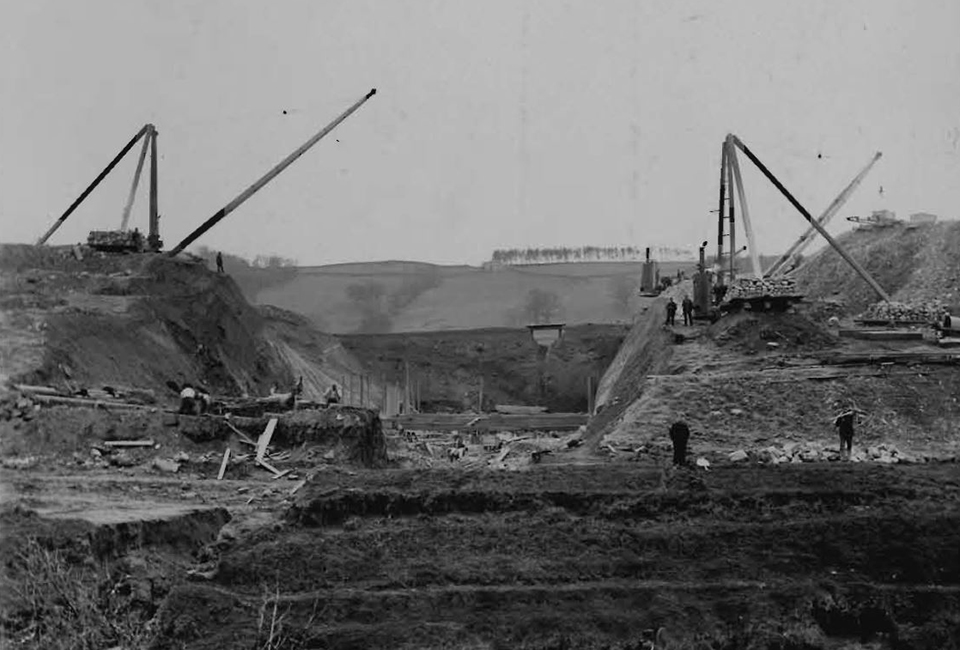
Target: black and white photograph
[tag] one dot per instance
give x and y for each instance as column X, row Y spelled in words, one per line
column 479, row 324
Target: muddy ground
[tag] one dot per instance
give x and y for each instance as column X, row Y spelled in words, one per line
column 824, row 555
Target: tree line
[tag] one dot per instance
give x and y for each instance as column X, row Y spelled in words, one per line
column 508, row 256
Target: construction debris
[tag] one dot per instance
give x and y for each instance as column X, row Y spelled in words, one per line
column 929, row 312
column 264, row 440
column 223, row 463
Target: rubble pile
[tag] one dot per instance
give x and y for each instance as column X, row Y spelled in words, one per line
column 119, row 240
column 750, row 288
column 931, row 311
column 817, row 451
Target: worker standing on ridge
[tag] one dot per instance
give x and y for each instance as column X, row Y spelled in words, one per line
column 219, row 262
column 687, row 306
column 671, row 312
column 844, row 422
column 679, row 435
column 332, row 396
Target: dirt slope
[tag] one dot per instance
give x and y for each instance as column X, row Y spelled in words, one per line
column 911, row 264
column 142, row 320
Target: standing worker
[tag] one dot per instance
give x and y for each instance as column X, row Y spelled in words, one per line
column 679, row 435
column 687, row 306
column 671, row 312
column 332, row 396
column 844, row 422
column 219, row 262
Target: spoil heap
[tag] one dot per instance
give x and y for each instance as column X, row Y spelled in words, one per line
column 931, row 311
column 913, row 264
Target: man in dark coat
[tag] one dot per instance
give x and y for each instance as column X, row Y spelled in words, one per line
column 679, row 435
column 844, row 422
column 219, row 262
column 687, row 306
column 671, row 312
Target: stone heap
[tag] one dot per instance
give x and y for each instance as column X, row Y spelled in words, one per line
column 816, row 451
column 749, row 288
column 116, row 240
column 931, row 311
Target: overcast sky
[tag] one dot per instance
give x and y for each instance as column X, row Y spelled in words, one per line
column 496, row 124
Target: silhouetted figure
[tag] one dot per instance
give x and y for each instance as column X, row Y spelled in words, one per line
column 844, row 422
column 679, row 435
column 332, row 396
column 219, row 262
column 671, row 312
column 687, row 306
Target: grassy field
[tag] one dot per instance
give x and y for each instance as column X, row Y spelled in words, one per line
column 426, row 297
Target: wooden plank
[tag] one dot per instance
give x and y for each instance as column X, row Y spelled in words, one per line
column 128, row 443
column 223, row 463
column 265, row 437
column 244, row 438
column 267, row 466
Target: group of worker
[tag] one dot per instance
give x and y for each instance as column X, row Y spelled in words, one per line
column 680, row 436
column 687, row 308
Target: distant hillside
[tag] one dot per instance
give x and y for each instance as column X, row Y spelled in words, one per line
column 412, row 296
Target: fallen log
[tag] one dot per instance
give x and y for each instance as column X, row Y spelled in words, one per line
column 90, row 403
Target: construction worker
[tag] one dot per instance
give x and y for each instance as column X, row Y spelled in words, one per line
column 332, row 396
column 188, row 399
column 687, row 306
column 844, row 422
column 219, row 262
column 679, row 435
column 671, row 312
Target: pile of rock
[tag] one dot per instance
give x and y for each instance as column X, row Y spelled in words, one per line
column 931, row 311
column 116, row 240
column 814, row 451
column 18, row 408
column 750, row 288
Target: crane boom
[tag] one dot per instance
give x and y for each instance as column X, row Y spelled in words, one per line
column 862, row 272
column 93, row 185
column 783, row 264
column 266, row 178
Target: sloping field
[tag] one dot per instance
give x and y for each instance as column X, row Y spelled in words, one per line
column 911, row 264
column 578, row 558
column 426, row 297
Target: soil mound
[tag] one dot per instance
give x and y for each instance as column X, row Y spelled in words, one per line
column 145, row 320
column 913, row 264
column 753, row 332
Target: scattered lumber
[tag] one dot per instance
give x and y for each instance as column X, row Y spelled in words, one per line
column 273, row 470
column 223, row 464
column 128, row 443
column 264, row 440
column 244, row 438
